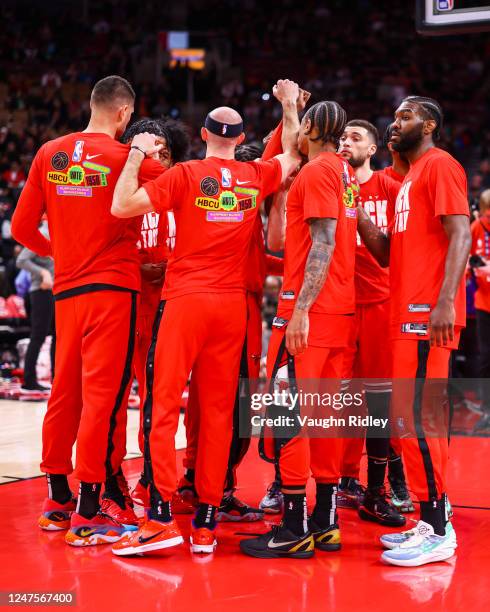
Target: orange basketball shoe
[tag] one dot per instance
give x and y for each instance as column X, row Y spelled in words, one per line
column 203, row 540
column 55, row 516
column 152, row 535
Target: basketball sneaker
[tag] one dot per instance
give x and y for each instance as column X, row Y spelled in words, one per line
column 125, row 516
column 140, row 495
column 55, row 516
column 152, row 535
column 273, row 500
column 101, row 529
column 376, row 508
column 184, row 500
column 400, row 497
column 234, row 510
column 350, row 493
column 203, row 540
column 423, row 547
column 326, row 539
column 279, row 542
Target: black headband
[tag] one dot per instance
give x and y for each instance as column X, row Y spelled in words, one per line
column 225, row 130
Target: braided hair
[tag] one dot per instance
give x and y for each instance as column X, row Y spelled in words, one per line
column 430, row 109
column 174, row 132
column 329, row 118
column 247, row 152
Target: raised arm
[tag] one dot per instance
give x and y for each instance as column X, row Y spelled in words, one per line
column 130, row 200
column 322, row 232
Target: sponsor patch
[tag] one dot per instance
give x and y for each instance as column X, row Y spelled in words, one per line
column 246, row 191
column 225, row 177
column 78, row 151
column 207, row 203
column 287, row 295
column 60, row 160
column 209, row 186
column 279, row 322
column 247, row 203
column 227, row 200
column 419, row 308
column 76, row 174
column 224, row 217
column 351, row 213
column 71, row 190
column 60, row 178
column 96, row 180
column 414, row 328
column 96, row 167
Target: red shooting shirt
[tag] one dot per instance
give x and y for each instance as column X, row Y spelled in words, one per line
column 72, row 179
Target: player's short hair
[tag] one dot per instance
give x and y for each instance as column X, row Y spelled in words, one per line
column 429, row 109
column 174, row 132
column 247, row 152
column 368, row 126
column 112, row 90
column 329, row 118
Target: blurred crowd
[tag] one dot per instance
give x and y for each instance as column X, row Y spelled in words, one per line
column 365, row 56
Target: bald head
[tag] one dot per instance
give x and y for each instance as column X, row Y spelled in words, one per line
column 484, row 202
column 225, row 114
column 223, row 130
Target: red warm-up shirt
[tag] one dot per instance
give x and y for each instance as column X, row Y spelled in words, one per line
column 377, row 196
column 215, row 202
column 435, row 186
column 72, row 179
column 325, row 187
column 480, row 245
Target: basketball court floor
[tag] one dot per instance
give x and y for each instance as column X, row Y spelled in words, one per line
column 353, row 579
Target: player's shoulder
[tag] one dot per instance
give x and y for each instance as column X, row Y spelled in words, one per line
column 385, row 180
column 439, row 158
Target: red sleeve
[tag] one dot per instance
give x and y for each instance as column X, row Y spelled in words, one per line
column 166, row 191
column 448, row 187
column 475, row 235
column 392, row 188
column 274, row 265
column 270, row 173
column 150, row 170
column 29, row 210
column 274, row 146
column 320, row 192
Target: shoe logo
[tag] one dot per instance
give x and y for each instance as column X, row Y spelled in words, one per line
column 92, row 156
column 273, row 544
column 242, row 182
column 143, row 540
column 85, row 532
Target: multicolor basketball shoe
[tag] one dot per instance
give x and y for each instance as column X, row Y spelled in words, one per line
column 55, row 516
column 101, row 529
column 152, row 535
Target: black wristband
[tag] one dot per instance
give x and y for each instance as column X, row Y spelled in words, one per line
column 138, row 149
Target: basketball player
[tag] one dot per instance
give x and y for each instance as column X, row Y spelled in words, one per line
column 96, row 282
column 368, row 355
column 427, row 251
column 312, row 327
column 154, row 250
column 202, row 320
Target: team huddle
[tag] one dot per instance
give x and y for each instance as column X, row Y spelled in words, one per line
column 373, row 289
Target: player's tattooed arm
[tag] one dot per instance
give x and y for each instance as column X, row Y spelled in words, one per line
column 129, row 200
column 442, row 318
column 322, row 232
column 376, row 241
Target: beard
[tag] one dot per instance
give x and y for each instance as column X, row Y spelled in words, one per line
column 357, row 162
column 409, row 140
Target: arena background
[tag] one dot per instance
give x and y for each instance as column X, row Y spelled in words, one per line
column 367, row 56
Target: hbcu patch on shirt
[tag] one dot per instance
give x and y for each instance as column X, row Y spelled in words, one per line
column 224, row 217
column 73, row 190
column 419, row 308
